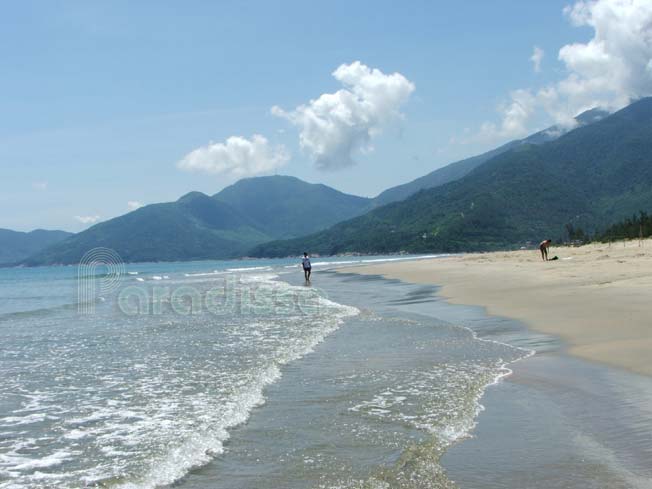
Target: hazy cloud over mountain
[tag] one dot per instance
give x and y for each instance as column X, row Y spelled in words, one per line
column 335, row 125
column 515, row 116
column 616, row 64
column 88, row 219
column 132, row 205
column 610, row 70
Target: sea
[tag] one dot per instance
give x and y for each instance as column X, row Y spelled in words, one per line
column 236, row 374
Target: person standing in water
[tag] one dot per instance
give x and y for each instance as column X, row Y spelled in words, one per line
column 543, row 247
column 307, row 268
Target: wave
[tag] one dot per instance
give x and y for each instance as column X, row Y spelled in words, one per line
column 42, row 311
column 206, row 274
column 162, row 411
column 248, row 269
column 464, row 384
column 201, row 447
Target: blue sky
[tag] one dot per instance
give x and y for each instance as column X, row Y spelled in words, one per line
column 102, row 100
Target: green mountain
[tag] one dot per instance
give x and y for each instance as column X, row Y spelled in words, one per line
column 459, row 169
column 588, row 177
column 285, row 206
column 197, row 226
column 192, row 228
column 16, row 246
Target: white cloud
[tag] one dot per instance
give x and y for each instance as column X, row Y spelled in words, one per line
column 237, row 157
column 40, row 185
column 132, row 205
column 613, row 67
column 610, row 70
column 87, row 219
column 536, row 58
column 335, row 125
column 515, row 116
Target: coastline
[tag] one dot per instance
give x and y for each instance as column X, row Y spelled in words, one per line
column 412, row 392
column 529, row 429
column 595, row 297
column 369, row 405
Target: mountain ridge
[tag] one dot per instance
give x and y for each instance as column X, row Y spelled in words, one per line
column 200, row 227
column 18, row 245
column 291, row 207
column 458, row 169
column 253, row 211
column 588, row 177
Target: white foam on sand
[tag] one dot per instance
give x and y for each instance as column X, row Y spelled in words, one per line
column 200, row 446
column 150, row 415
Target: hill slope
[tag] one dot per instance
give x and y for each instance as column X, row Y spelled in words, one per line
column 201, row 227
column 192, row 228
column 16, row 246
column 589, row 177
column 285, row 206
column 459, row 169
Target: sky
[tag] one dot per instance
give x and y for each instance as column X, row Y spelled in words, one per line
column 107, row 106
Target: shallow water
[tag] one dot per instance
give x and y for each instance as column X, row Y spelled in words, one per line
column 353, row 382
column 376, row 404
column 133, row 401
column 149, row 385
column 570, row 424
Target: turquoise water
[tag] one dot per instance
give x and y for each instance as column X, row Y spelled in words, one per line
column 149, row 386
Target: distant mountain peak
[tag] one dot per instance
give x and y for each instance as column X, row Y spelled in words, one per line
column 18, row 245
column 455, row 171
column 269, row 182
column 192, row 196
column 288, row 206
column 199, row 226
column 592, row 115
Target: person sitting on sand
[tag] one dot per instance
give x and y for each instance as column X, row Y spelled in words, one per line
column 307, row 268
column 543, row 247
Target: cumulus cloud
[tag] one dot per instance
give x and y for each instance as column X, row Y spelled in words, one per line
column 335, row 125
column 237, row 157
column 132, row 205
column 614, row 66
column 515, row 116
column 87, row 219
column 610, row 70
column 536, row 58
column 40, row 185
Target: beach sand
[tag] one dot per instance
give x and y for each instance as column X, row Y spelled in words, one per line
column 597, row 298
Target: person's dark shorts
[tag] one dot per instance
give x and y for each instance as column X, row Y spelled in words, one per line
column 307, row 269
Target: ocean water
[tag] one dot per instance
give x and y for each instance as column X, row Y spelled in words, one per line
column 230, row 374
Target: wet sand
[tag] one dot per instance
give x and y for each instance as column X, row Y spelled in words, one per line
column 597, row 297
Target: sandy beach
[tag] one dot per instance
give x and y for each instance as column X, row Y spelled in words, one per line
column 596, row 297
